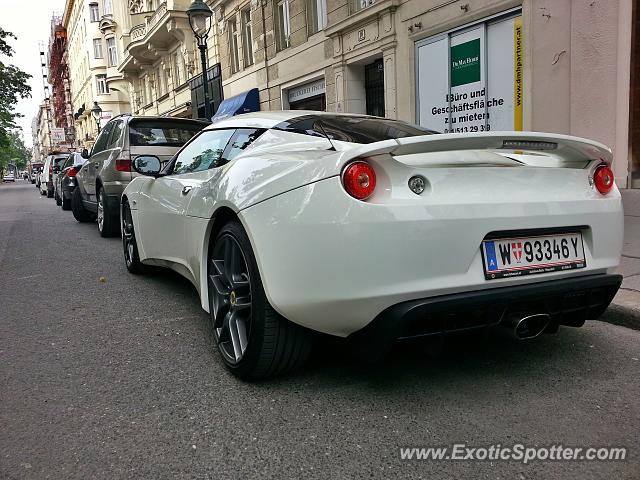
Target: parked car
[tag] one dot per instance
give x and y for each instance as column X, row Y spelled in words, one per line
column 34, row 173
column 66, row 180
column 9, row 177
column 108, row 170
column 377, row 230
column 52, row 166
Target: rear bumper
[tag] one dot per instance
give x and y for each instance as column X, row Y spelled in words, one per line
column 569, row 301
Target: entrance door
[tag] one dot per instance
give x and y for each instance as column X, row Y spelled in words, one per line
column 374, row 88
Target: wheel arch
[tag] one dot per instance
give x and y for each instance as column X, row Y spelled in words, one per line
column 221, row 216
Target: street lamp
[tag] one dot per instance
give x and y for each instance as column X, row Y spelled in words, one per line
column 199, row 12
column 96, row 111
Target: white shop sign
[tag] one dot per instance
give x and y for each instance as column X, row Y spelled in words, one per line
column 306, row 91
column 471, row 80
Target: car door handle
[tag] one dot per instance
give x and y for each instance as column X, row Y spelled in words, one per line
column 186, row 190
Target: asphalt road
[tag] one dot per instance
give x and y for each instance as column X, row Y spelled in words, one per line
column 108, row 375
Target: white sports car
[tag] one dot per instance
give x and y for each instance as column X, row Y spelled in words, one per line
column 376, row 229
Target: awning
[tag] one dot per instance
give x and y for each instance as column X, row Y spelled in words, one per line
column 245, row 102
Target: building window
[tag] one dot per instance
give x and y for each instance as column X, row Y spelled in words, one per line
column 357, row 5
column 101, row 81
column 107, row 7
column 234, row 61
column 97, row 48
column 247, row 38
column 94, row 13
column 178, row 69
column 283, row 24
column 112, row 52
column 162, row 81
column 316, row 15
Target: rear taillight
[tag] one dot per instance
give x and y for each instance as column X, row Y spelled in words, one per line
column 72, row 172
column 603, row 178
column 359, row 180
column 123, row 165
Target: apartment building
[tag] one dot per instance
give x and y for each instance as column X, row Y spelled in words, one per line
column 90, row 58
column 41, row 130
column 158, row 67
column 451, row 65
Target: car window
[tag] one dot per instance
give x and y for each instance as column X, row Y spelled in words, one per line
column 68, row 162
column 203, row 153
column 59, row 161
column 241, row 140
column 162, row 133
column 116, row 135
column 103, row 138
column 352, row 128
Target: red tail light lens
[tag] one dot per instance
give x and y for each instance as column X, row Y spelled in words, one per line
column 603, row 179
column 123, row 165
column 72, row 172
column 359, row 180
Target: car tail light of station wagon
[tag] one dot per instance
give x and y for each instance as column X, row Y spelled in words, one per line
column 123, row 165
column 72, row 172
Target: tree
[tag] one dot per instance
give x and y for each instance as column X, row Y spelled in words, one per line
column 13, row 86
column 14, row 152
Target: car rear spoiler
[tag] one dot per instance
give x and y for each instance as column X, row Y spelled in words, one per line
column 569, row 149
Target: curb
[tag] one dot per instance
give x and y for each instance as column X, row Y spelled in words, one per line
column 624, row 310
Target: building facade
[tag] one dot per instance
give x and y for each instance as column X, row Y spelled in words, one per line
column 451, row 65
column 41, row 126
column 454, row 66
column 90, row 58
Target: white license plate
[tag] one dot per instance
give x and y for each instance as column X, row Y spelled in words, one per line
column 516, row 256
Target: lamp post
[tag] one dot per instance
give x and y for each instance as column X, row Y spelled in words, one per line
column 199, row 12
column 96, row 111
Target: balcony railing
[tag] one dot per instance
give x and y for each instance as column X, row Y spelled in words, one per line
column 138, row 32
column 162, row 9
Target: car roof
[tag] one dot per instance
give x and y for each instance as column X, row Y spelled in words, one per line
column 270, row 119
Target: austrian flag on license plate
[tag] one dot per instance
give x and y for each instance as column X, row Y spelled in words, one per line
column 512, row 257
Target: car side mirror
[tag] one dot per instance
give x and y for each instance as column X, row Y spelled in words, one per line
column 147, row 165
column 85, row 153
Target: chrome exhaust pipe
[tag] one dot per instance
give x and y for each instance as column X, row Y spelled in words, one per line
column 525, row 327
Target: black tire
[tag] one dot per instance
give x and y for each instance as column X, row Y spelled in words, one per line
column 49, row 193
column 57, row 197
column 273, row 344
column 129, row 243
column 66, row 203
column 80, row 213
column 108, row 223
column 42, row 193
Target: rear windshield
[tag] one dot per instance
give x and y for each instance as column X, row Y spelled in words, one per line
column 162, row 134
column 352, row 128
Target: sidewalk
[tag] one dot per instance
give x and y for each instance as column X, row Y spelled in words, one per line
column 625, row 309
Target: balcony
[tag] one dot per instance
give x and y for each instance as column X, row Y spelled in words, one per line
column 160, row 31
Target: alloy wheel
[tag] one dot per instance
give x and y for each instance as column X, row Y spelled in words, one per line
column 100, row 212
column 230, row 289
